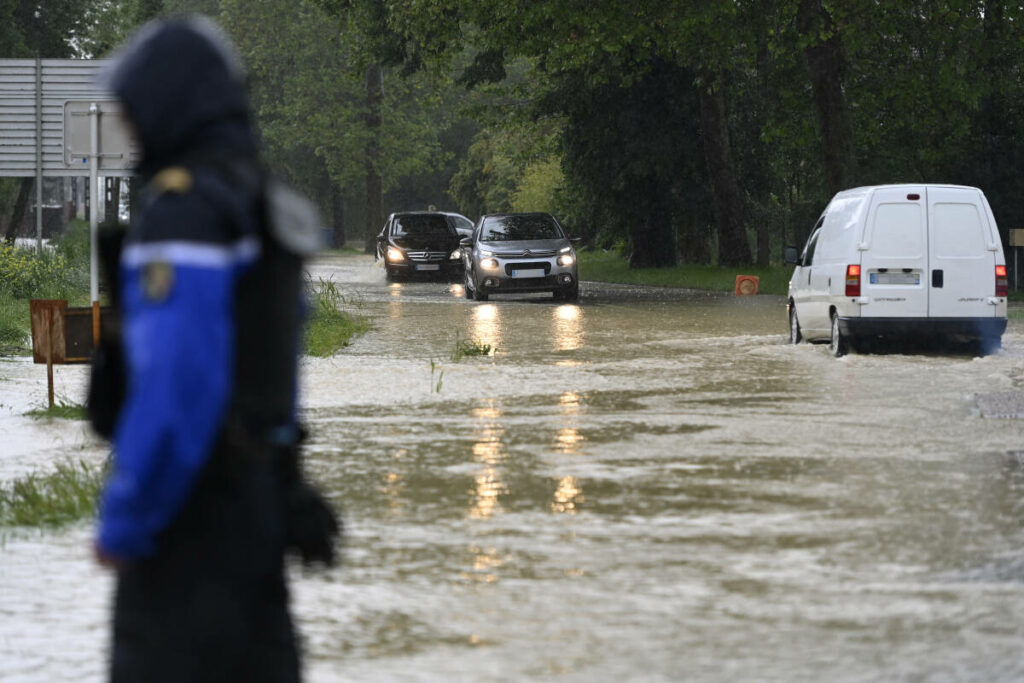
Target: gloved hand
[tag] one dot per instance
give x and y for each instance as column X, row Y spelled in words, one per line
column 312, row 527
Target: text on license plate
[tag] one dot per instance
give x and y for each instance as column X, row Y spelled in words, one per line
column 428, row 266
column 895, row 278
column 528, row 272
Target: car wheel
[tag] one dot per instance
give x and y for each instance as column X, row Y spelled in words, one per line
column 569, row 293
column 478, row 295
column 840, row 345
column 467, row 284
column 389, row 275
column 795, row 335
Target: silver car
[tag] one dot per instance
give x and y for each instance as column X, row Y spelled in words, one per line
column 515, row 253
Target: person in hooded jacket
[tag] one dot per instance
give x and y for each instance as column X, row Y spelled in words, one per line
column 190, row 516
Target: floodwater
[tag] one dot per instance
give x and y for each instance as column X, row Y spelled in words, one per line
column 651, row 485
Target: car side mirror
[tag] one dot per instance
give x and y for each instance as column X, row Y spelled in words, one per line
column 791, row 256
column 575, row 240
column 466, row 242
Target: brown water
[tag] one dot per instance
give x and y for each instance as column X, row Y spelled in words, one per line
column 651, row 486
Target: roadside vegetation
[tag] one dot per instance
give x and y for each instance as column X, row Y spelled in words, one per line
column 61, row 271
column 611, row 266
column 60, row 409
column 469, row 348
column 65, row 494
column 329, row 328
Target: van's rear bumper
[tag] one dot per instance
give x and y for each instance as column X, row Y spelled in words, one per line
column 973, row 328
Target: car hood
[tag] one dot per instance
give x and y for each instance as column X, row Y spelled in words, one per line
column 520, row 247
column 435, row 242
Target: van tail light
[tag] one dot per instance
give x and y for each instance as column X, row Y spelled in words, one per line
column 1002, row 283
column 853, row 280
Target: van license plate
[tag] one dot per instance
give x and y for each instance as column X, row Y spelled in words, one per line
column 528, row 272
column 895, row 278
column 428, row 266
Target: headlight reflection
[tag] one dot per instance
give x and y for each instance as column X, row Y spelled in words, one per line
column 486, row 325
column 568, row 327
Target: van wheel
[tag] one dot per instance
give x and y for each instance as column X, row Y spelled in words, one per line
column 795, row 335
column 840, row 345
column 986, row 346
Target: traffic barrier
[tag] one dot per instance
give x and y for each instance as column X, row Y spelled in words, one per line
column 747, row 284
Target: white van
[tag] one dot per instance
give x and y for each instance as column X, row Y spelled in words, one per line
column 914, row 261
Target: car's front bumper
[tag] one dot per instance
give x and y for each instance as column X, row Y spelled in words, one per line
column 507, row 277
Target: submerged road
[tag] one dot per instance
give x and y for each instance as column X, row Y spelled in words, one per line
column 651, row 485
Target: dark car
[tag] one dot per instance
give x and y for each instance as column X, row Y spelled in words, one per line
column 519, row 252
column 420, row 242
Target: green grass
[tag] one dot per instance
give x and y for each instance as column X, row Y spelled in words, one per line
column 60, row 409
column 608, row 266
column 468, row 348
column 329, row 329
column 60, row 273
column 66, row 494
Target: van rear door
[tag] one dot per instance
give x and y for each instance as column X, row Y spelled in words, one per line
column 962, row 275
column 894, row 254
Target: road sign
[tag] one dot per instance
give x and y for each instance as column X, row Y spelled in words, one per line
column 117, row 149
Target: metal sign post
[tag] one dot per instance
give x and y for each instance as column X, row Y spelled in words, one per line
column 110, row 147
column 1016, row 241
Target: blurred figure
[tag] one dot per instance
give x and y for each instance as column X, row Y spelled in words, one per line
column 196, row 514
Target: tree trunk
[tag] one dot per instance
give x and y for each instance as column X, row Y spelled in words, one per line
column 826, row 63
column 653, row 234
column 374, row 185
column 337, row 218
column 733, row 248
column 20, row 206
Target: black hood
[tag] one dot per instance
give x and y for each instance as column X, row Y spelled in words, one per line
column 182, row 86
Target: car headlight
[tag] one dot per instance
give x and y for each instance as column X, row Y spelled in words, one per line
column 395, row 254
column 489, row 264
column 455, row 255
column 565, row 250
column 566, row 260
column 486, row 254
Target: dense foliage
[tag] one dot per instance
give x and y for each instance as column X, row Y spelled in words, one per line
column 709, row 132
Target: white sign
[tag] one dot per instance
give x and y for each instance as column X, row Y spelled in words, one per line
column 117, row 149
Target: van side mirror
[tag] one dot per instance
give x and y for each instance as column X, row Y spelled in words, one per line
column 791, row 256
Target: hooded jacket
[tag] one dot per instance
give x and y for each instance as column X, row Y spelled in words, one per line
column 182, row 89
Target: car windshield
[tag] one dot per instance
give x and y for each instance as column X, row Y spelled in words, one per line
column 462, row 222
column 423, row 224
column 517, row 228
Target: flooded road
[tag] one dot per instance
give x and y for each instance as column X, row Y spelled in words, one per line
column 651, row 485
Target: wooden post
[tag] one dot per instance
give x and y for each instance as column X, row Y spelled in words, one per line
column 49, row 355
column 95, row 324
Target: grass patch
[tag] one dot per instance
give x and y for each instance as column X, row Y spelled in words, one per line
column 66, row 494
column 468, row 347
column 328, row 328
column 608, row 266
column 65, row 411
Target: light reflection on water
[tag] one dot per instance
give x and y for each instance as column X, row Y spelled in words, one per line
column 568, row 332
column 489, row 451
column 485, row 325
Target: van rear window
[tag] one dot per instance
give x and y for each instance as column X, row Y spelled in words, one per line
column 898, row 231
column 957, row 231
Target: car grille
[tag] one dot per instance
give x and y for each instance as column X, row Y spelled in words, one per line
column 532, row 265
column 427, row 256
column 527, row 253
